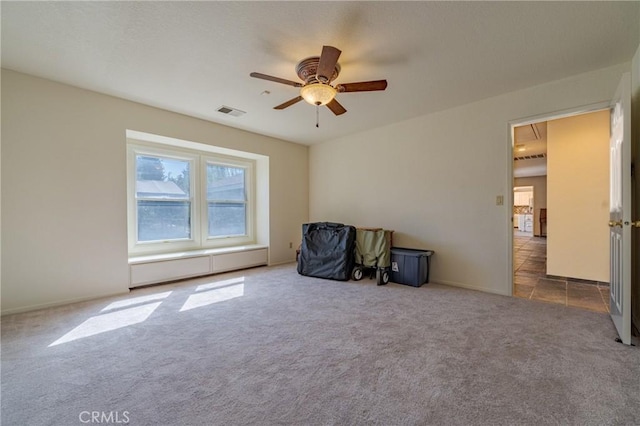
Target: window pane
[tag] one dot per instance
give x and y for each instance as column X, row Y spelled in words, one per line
column 225, row 183
column 163, row 178
column 227, row 219
column 164, row 220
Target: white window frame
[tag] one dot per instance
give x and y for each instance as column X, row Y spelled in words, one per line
column 249, row 185
column 198, row 197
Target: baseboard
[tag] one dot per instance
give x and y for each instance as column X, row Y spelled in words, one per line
column 60, row 303
column 283, row 262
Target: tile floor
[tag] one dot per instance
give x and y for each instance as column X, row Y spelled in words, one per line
column 532, row 282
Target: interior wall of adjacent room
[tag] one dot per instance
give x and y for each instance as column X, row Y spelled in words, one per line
column 578, row 196
column 434, row 179
column 64, row 213
column 539, row 184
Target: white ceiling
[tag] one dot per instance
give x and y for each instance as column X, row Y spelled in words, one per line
column 530, row 141
column 193, row 57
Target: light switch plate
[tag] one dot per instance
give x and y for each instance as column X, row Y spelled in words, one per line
column 499, row 200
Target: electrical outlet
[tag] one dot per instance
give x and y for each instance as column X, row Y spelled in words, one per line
column 499, row 200
column 290, row 245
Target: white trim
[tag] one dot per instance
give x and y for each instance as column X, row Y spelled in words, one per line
column 284, row 262
column 61, row 303
column 134, row 149
column 161, row 257
column 249, row 167
column 569, row 112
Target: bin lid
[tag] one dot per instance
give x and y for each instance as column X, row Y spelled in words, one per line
column 411, row 252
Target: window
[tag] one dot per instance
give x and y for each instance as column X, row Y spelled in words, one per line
column 163, row 200
column 226, row 200
column 183, row 199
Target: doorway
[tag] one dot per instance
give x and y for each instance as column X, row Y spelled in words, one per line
column 538, row 254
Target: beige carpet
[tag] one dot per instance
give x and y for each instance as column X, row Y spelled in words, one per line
column 270, row 347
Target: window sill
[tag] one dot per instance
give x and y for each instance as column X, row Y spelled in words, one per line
column 193, row 253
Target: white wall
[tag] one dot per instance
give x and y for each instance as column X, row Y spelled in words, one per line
column 539, row 184
column 578, row 196
column 64, row 222
column 434, row 179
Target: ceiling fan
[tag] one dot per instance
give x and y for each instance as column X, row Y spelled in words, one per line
column 317, row 73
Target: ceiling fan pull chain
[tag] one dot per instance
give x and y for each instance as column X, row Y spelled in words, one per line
column 317, row 116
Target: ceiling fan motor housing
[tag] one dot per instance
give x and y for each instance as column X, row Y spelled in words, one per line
column 307, row 69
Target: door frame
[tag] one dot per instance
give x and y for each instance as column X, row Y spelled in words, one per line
column 510, row 180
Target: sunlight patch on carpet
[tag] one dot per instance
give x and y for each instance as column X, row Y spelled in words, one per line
column 219, row 291
column 109, row 322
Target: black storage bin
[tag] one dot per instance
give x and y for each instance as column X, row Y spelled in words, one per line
column 327, row 250
column 410, row 266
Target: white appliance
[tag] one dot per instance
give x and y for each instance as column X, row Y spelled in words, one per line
column 521, row 222
column 528, row 223
column 525, row 222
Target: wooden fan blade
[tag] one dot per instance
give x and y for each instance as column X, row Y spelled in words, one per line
column 336, row 108
column 276, row 79
column 364, row 86
column 327, row 63
column 289, row 103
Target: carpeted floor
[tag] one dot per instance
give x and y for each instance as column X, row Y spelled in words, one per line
column 269, row 347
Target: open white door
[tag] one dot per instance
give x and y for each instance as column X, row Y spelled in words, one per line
column 620, row 222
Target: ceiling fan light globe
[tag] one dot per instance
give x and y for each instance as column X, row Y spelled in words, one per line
column 318, row 93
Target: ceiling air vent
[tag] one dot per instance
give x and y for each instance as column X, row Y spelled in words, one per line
column 231, row 111
column 530, row 157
